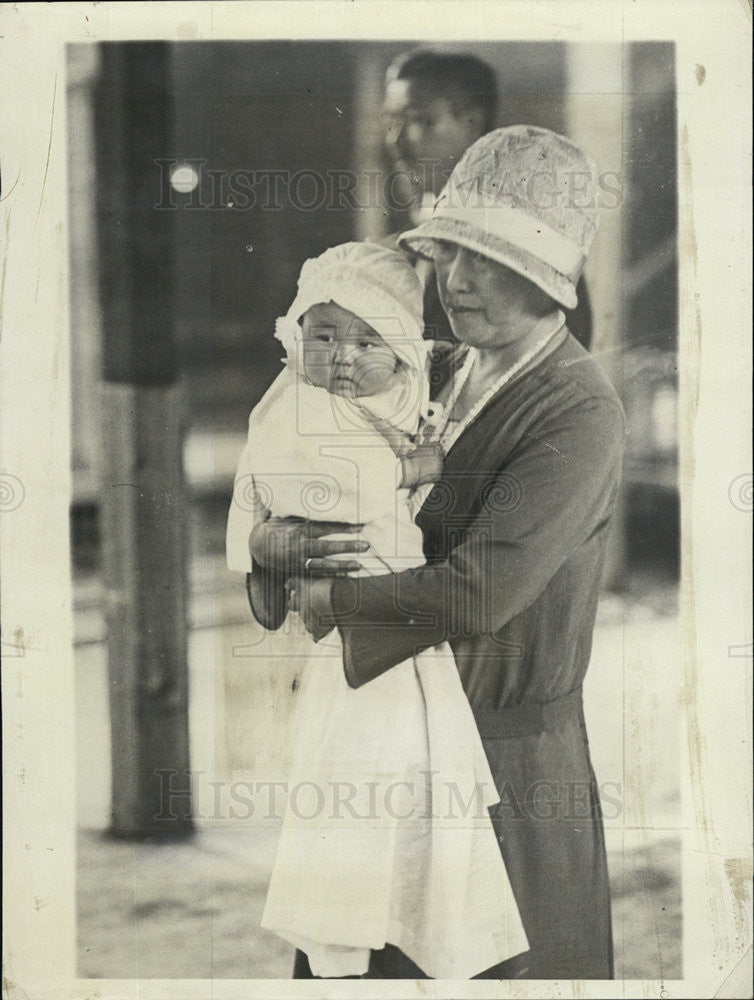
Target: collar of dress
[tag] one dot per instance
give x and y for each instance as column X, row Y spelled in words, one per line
column 446, row 432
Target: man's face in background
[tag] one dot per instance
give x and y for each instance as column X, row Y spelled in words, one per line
column 426, row 135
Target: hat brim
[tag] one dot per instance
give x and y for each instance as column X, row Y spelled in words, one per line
column 422, row 239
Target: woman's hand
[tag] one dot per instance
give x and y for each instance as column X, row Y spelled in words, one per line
column 293, row 546
column 310, row 597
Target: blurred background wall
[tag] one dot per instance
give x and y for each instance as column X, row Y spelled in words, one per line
column 286, row 141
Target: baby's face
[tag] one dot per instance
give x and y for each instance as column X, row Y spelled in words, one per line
column 344, row 354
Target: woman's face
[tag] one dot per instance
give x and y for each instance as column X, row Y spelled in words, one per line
column 344, row 354
column 489, row 305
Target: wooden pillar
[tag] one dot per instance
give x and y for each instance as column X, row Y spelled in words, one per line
column 371, row 221
column 86, row 343
column 142, row 499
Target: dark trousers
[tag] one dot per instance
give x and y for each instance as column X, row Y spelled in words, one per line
column 390, row 963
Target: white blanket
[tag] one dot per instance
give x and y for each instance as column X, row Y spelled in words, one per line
column 386, row 836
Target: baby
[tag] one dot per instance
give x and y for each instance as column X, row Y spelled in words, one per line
column 371, row 850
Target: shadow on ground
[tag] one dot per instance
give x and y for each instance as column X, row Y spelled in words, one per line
column 191, row 910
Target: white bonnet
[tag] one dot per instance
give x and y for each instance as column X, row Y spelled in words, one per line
column 378, row 285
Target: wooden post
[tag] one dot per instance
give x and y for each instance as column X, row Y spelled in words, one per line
column 86, row 346
column 371, row 222
column 143, row 502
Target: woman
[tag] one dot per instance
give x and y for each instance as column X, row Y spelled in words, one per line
column 514, row 530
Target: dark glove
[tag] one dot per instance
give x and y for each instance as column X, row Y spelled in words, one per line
column 293, row 546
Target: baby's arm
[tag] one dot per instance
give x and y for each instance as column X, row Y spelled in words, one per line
column 420, row 466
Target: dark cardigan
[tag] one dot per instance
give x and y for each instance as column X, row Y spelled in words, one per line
column 515, row 534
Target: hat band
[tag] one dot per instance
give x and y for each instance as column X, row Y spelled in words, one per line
column 521, row 230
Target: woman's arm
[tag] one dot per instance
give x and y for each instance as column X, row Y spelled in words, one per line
column 565, row 479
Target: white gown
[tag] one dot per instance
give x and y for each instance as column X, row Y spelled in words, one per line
column 386, row 836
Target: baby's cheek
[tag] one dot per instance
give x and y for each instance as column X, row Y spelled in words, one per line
column 318, row 375
column 374, row 374
column 317, row 366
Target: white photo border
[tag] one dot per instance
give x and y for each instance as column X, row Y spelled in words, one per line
column 714, row 139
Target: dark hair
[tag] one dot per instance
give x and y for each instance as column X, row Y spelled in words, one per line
column 462, row 79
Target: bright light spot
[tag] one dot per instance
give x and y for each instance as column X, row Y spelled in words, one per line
column 184, row 178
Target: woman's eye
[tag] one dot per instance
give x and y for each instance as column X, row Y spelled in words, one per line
column 364, row 344
column 444, row 249
column 325, row 338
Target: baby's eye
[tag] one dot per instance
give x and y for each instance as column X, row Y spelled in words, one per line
column 364, row 344
column 325, row 338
